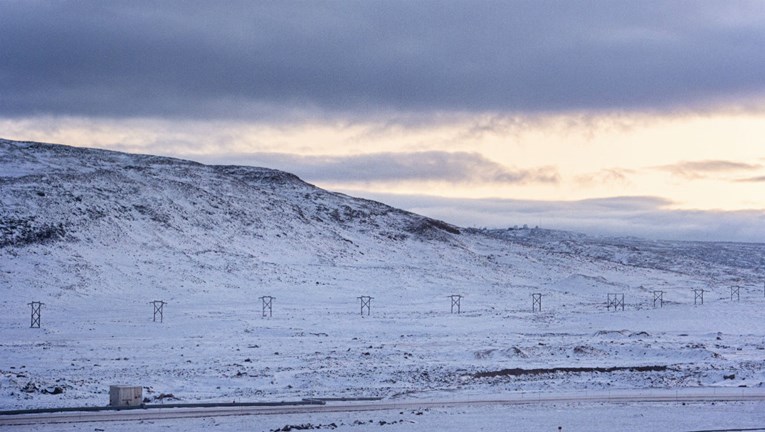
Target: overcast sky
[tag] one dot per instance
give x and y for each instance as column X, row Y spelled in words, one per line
column 481, row 113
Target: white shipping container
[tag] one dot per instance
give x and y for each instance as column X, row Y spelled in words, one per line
column 120, row 395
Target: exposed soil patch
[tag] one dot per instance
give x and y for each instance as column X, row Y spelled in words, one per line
column 522, row 372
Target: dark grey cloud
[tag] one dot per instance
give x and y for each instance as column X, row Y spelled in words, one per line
column 647, row 217
column 280, row 59
column 453, row 167
column 701, row 169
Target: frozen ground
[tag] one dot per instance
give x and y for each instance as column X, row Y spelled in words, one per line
column 97, row 235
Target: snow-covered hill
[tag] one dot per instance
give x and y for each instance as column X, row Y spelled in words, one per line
column 96, row 235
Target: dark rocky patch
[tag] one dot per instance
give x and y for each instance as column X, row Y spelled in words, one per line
column 523, row 372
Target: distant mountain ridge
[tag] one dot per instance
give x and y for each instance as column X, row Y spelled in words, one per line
column 666, row 255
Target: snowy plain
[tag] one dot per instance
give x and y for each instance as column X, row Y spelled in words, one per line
column 97, row 235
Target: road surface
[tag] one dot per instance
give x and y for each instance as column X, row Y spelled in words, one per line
column 621, row 396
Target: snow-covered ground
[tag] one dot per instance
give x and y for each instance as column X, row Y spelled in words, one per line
column 98, row 235
column 217, row 350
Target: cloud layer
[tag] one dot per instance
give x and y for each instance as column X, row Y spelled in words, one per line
column 701, row 169
column 647, row 217
column 438, row 166
column 278, row 60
